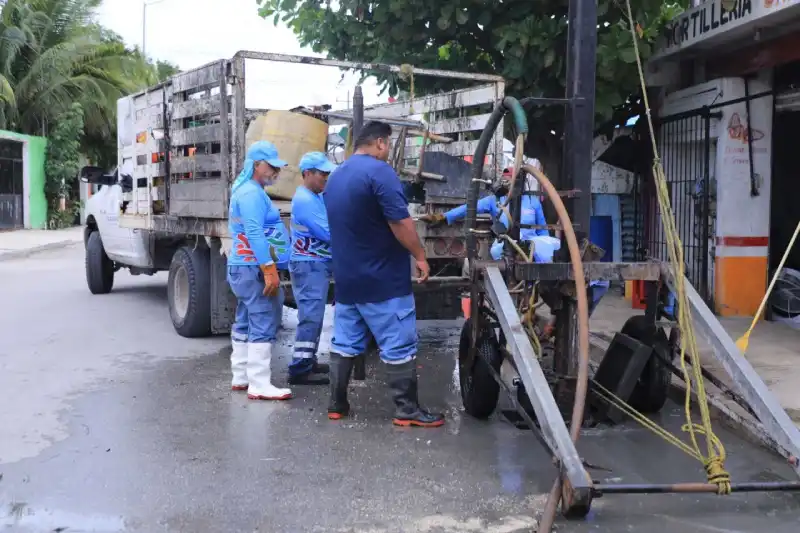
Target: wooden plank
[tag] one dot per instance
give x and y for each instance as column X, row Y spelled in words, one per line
column 196, row 107
column 554, row 428
column 746, row 380
column 224, row 116
column 458, row 148
column 198, row 135
column 198, row 163
column 198, row 209
column 462, row 124
column 199, row 189
column 483, row 94
column 199, row 78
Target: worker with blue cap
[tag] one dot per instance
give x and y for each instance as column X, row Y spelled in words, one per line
column 532, row 214
column 310, row 268
column 260, row 246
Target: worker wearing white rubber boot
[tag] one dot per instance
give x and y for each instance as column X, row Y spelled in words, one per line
column 260, row 246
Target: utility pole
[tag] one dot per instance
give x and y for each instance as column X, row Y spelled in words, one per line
column 146, row 3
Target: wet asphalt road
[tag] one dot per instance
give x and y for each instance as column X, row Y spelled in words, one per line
column 111, row 422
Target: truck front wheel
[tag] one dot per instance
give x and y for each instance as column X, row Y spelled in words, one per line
column 189, row 292
column 99, row 268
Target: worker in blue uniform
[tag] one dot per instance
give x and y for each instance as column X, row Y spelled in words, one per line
column 260, row 246
column 373, row 239
column 532, row 213
column 310, row 268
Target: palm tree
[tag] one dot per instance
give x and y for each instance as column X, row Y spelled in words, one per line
column 52, row 54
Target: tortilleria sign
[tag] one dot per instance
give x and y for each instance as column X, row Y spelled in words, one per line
column 706, row 19
column 715, row 17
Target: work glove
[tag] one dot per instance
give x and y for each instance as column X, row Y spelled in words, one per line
column 433, row 220
column 271, row 280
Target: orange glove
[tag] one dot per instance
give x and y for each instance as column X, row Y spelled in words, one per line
column 271, row 280
column 436, row 219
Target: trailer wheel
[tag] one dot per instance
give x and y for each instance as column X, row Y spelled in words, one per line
column 652, row 389
column 99, row 268
column 189, row 292
column 479, row 390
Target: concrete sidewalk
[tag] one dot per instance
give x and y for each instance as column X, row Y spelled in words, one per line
column 774, row 351
column 21, row 243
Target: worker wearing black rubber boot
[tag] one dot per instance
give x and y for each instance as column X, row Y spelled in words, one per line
column 373, row 239
column 340, row 370
column 403, row 384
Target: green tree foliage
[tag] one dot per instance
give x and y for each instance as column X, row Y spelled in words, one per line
column 54, row 54
column 63, row 163
column 524, row 41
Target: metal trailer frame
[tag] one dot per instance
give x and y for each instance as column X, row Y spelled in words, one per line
column 490, row 282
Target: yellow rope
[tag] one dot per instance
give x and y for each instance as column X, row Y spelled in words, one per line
column 714, row 458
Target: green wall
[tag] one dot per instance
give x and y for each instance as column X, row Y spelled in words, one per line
column 37, row 152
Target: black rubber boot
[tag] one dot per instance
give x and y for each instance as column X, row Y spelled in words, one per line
column 340, row 368
column 308, row 379
column 321, row 368
column 403, row 383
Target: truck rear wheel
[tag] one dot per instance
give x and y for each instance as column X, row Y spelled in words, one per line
column 189, row 292
column 99, row 268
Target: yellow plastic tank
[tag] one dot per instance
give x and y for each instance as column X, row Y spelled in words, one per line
column 293, row 134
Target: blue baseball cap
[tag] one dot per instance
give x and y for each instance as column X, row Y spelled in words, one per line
column 265, row 151
column 316, row 161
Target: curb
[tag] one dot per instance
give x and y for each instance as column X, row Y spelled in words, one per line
column 18, row 254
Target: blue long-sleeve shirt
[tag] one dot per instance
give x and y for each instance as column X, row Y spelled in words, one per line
column 255, row 226
column 311, row 236
column 532, row 213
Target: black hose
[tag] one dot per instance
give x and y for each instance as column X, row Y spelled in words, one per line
column 508, row 104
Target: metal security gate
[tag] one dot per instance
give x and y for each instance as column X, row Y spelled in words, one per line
column 686, row 148
column 11, row 185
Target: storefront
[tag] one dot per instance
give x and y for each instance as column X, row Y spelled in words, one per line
column 723, row 70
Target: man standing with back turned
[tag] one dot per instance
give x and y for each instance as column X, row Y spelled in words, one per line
column 372, row 236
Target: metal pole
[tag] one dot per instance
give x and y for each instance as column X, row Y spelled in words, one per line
column 756, row 486
column 144, row 32
column 358, row 112
column 579, row 123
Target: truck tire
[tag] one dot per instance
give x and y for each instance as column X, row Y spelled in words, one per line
column 479, row 390
column 99, row 268
column 189, row 292
column 652, row 389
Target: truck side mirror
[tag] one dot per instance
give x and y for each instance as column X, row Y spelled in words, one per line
column 90, row 174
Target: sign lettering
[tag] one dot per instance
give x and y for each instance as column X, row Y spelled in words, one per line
column 708, row 17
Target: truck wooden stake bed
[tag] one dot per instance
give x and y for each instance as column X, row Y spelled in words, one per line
column 182, row 142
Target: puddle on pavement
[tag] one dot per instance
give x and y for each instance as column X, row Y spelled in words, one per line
column 23, row 517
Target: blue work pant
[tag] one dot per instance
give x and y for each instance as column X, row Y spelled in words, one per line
column 310, row 284
column 392, row 322
column 258, row 317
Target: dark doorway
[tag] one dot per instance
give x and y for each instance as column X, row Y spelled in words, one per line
column 785, row 197
column 11, row 185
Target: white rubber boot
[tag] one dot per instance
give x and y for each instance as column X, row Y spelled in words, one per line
column 239, row 365
column 259, row 374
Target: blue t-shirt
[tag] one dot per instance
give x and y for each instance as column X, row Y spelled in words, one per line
column 369, row 264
